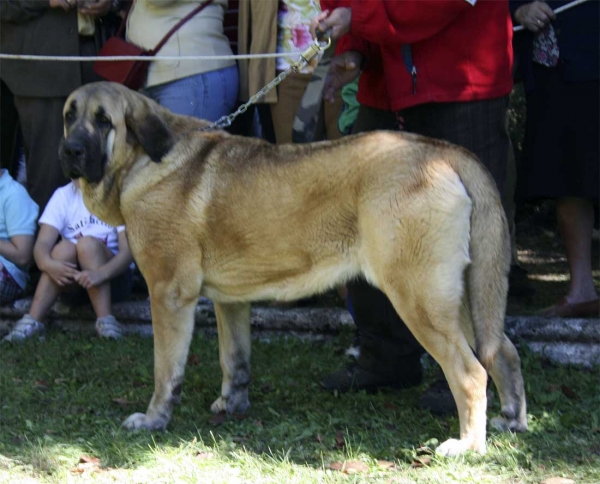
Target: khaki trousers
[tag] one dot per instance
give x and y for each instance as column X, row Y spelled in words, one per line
column 289, row 95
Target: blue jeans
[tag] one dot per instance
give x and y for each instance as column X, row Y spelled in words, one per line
column 209, row 95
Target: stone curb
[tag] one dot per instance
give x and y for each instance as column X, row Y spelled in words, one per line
column 565, row 341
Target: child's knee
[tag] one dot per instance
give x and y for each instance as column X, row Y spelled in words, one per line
column 88, row 245
column 65, row 251
column 92, row 252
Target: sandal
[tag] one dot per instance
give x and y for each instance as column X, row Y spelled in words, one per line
column 565, row 309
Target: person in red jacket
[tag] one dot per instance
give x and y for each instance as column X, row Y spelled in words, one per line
column 444, row 67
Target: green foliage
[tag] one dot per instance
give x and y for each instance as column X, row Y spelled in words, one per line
column 62, row 402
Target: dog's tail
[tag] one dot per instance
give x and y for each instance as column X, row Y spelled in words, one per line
column 487, row 276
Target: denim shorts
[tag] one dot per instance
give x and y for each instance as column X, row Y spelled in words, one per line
column 208, row 96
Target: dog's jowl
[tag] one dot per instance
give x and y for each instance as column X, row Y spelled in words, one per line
column 238, row 220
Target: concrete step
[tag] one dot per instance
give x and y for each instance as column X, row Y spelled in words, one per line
column 565, row 341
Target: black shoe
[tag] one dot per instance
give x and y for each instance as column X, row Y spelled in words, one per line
column 438, row 399
column 356, row 378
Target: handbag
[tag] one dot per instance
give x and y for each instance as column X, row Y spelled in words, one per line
column 133, row 73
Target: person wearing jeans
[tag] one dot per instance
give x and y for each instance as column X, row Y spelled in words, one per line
column 206, row 89
column 208, row 95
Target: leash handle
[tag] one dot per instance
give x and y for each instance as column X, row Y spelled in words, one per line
column 324, row 37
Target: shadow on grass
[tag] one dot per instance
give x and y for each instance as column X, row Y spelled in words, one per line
column 65, row 397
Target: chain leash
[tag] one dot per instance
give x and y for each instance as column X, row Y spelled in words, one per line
column 306, row 56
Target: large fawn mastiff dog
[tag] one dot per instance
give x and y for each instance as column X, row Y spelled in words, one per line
column 239, row 220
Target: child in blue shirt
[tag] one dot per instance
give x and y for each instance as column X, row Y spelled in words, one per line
column 18, row 217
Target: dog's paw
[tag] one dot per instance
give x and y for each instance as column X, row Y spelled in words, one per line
column 454, row 447
column 504, row 425
column 219, row 405
column 138, row 421
column 236, row 403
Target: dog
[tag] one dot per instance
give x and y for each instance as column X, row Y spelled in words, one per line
column 238, row 220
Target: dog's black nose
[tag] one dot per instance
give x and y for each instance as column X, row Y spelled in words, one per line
column 73, row 149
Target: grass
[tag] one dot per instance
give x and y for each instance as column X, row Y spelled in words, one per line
column 62, row 402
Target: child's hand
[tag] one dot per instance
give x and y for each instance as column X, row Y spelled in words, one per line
column 344, row 69
column 63, row 273
column 89, row 279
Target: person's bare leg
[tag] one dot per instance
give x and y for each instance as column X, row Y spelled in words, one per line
column 92, row 254
column 576, row 221
column 47, row 289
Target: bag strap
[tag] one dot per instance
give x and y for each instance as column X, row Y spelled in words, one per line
column 121, row 30
column 176, row 27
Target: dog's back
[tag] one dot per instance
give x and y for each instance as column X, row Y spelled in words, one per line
column 307, row 218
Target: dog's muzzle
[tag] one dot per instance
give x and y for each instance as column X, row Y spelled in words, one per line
column 72, row 157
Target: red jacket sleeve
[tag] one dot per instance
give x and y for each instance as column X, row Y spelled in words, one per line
column 401, row 21
column 332, row 4
column 353, row 42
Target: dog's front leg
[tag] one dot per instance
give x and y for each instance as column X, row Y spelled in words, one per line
column 173, row 325
column 233, row 323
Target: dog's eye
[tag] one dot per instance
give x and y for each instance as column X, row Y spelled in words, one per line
column 104, row 120
column 69, row 116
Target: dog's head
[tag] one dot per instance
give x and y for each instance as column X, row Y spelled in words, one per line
column 107, row 128
column 105, row 125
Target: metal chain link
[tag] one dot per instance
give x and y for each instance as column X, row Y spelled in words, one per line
column 306, row 56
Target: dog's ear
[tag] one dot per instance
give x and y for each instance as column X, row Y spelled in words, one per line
column 151, row 131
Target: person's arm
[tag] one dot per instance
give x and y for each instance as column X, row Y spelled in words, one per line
column 113, row 267
column 534, row 16
column 513, row 5
column 19, row 11
column 97, row 8
column 392, row 22
column 18, row 249
column 19, row 214
column 61, row 272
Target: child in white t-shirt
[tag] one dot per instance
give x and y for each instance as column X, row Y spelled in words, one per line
column 90, row 256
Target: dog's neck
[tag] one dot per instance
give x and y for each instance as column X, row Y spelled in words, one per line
column 103, row 199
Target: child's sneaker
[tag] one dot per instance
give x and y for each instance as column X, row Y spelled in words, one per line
column 26, row 327
column 109, row 327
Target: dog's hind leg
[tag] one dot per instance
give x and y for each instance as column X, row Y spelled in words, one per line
column 173, row 325
column 435, row 321
column 505, row 370
column 233, row 323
